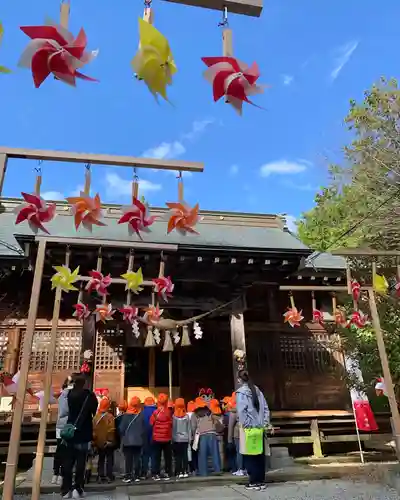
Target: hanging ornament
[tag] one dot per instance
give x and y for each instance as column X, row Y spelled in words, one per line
column 98, row 283
column 87, row 211
column 64, row 278
column 81, row 312
column 149, row 342
column 163, row 287
column 185, row 337
column 355, row 289
column 135, row 328
column 379, row 282
column 340, row 317
column 130, row 313
column 137, row 215
column 54, row 50
column 85, row 367
column 36, row 211
column 3, row 69
column 134, row 280
column 397, row 288
column 318, row 316
column 380, row 387
column 168, row 345
column 182, row 217
column 292, row 315
column 88, row 354
column 157, row 335
column 153, row 62
column 152, row 314
column 358, row 319
column 176, row 337
column 104, row 312
column 197, row 331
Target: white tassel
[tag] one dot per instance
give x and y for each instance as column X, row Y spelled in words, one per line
column 198, row 332
column 175, row 336
column 135, row 329
column 149, row 339
column 157, row 335
column 168, row 345
column 185, row 337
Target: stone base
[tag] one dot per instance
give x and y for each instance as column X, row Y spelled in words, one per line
column 47, row 472
column 280, row 458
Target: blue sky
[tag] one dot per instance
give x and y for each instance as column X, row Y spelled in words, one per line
column 315, row 55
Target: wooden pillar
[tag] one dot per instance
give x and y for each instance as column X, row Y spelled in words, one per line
column 386, row 370
column 238, row 341
column 316, row 437
column 277, row 365
column 15, row 437
column 3, row 168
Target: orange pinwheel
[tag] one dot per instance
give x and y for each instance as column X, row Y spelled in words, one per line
column 183, row 218
column 293, row 316
column 87, row 211
column 152, row 314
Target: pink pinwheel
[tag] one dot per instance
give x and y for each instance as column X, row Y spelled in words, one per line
column 81, row 311
column 98, row 283
column 53, row 49
column 318, row 317
column 36, row 211
column 232, row 79
column 358, row 319
column 137, row 217
column 163, row 287
column 130, row 313
column 355, row 289
column 397, row 288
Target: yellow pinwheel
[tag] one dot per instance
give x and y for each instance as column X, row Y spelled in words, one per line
column 380, row 284
column 134, row 280
column 153, row 62
column 64, row 278
column 3, row 69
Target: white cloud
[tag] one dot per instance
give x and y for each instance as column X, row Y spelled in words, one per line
column 282, row 167
column 166, row 151
column 343, row 56
column 287, row 79
column 198, row 127
column 291, row 223
column 300, row 187
column 234, row 169
column 52, row 195
column 117, row 186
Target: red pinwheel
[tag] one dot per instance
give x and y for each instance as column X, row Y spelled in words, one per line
column 81, row 311
column 137, row 217
column 53, row 49
column 36, row 211
column 318, row 316
column 98, row 283
column 85, row 368
column 233, row 79
column 129, row 313
column 163, row 287
column 358, row 319
column 355, row 289
column 397, row 288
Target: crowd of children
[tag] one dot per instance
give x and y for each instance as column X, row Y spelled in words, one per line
column 188, row 436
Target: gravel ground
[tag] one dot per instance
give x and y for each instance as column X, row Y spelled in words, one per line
column 302, row 490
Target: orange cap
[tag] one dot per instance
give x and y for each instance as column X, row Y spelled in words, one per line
column 123, row 405
column 191, row 406
column 200, row 403
column 214, row 407
column 149, row 401
column 104, row 405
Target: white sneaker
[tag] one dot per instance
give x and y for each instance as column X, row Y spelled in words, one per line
column 76, row 494
column 54, row 479
column 240, row 473
column 67, row 495
column 185, row 475
column 59, row 480
column 235, row 473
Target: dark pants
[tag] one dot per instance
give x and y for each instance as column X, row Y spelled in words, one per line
column 75, row 456
column 158, row 449
column 132, row 460
column 255, row 465
column 106, row 462
column 147, row 457
column 59, row 458
column 181, row 458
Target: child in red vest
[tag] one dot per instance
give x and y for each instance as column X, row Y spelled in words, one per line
column 161, row 421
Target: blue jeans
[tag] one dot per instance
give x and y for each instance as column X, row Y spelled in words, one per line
column 239, row 456
column 147, row 457
column 208, row 446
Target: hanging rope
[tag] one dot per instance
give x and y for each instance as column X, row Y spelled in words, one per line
column 224, row 23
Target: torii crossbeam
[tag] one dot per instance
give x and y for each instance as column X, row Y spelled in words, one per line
column 251, row 8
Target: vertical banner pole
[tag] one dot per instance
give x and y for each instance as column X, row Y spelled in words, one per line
column 15, row 436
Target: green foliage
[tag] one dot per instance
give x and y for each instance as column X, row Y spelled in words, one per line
column 360, row 208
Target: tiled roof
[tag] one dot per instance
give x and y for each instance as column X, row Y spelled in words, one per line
column 257, row 232
column 325, row 261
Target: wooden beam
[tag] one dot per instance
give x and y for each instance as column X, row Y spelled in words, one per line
column 15, row 436
column 96, row 242
column 354, row 252
column 310, row 288
column 3, row 168
column 102, row 159
column 251, row 8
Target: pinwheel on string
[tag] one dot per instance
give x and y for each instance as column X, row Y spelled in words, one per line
column 54, row 50
column 81, row 312
column 98, row 283
column 3, row 69
column 357, row 319
column 233, row 80
column 355, row 289
column 137, row 215
column 318, row 316
column 104, row 312
column 292, row 315
column 134, row 280
column 152, row 314
column 154, row 62
column 182, row 217
column 164, row 287
column 87, row 210
column 64, row 278
column 35, row 210
column 130, row 313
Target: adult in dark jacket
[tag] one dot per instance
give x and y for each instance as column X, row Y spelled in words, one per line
column 82, row 407
column 132, row 432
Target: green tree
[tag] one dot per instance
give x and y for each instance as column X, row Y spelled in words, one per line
column 360, row 208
